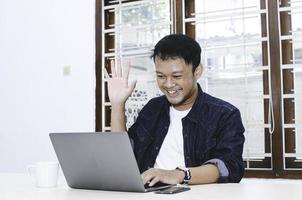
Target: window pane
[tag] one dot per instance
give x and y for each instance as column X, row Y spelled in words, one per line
column 142, row 70
column 230, row 35
column 141, row 25
column 136, row 27
column 297, row 51
column 291, row 36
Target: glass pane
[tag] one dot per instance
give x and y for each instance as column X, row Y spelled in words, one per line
column 142, row 70
column 297, row 45
column 298, row 108
column 252, row 4
column 142, row 25
column 296, row 13
column 292, row 89
column 253, row 145
column 137, row 27
column 141, row 38
column 214, row 6
column 296, row 22
column 229, row 33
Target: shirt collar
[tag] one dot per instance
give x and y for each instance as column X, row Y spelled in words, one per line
column 194, row 114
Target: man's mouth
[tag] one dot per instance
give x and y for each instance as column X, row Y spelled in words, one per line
column 172, row 93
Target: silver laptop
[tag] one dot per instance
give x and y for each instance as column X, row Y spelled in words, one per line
column 100, row 161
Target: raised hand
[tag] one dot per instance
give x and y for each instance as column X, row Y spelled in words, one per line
column 118, row 88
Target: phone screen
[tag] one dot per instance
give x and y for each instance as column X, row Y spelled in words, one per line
column 172, row 190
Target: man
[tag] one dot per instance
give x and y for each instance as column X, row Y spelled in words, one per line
column 185, row 136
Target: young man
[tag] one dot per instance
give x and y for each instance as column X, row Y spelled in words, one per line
column 186, row 135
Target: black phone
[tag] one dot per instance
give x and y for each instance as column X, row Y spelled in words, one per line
column 172, row 190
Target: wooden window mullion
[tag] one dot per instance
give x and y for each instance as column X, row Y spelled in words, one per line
column 276, row 93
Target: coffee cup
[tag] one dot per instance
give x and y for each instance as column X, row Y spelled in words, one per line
column 45, row 174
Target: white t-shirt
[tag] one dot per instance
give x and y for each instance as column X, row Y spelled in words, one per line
column 171, row 154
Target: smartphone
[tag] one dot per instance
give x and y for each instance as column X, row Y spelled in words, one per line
column 172, row 190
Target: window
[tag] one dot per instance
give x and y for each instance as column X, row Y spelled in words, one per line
column 129, row 32
column 290, row 13
column 252, row 55
column 230, row 35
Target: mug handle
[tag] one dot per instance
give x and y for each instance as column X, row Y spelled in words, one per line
column 31, row 169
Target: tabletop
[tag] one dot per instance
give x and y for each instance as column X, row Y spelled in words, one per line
column 21, row 187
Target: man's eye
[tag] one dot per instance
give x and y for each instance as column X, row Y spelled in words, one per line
column 160, row 76
column 177, row 77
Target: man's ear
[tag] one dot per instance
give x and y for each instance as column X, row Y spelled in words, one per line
column 198, row 71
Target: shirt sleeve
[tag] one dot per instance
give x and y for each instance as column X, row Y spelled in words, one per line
column 223, row 170
column 229, row 146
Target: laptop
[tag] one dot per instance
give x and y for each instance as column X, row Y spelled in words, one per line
column 99, row 161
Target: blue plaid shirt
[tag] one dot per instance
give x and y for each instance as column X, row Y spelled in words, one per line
column 212, row 133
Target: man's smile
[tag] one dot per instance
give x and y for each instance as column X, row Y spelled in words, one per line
column 173, row 93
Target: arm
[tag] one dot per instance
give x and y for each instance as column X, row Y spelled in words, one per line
column 119, row 90
column 227, row 154
column 229, row 146
column 204, row 174
column 118, row 118
column 200, row 175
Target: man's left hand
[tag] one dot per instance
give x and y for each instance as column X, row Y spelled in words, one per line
column 154, row 175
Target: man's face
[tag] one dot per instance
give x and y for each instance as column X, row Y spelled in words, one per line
column 177, row 81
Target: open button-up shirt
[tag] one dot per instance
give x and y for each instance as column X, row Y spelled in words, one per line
column 212, row 133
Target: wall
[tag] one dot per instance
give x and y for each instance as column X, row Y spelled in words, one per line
column 47, row 76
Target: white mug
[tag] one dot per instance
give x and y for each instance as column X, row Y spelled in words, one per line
column 45, row 174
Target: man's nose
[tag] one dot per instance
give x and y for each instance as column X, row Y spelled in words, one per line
column 169, row 83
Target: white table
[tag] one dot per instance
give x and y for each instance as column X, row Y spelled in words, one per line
column 20, row 187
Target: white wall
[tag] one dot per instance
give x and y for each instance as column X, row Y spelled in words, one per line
column 38, row 38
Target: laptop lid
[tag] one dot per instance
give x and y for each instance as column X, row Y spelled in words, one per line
column 101, row 160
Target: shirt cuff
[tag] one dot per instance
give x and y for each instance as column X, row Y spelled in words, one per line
column 223, row 170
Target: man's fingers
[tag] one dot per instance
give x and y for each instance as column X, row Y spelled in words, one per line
column 126, row 69
column 132, row 85
column 147, row 176
column 119, row 68
column 154, row 181
column 113, row 71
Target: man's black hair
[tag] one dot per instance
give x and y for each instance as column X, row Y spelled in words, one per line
column 178, row 46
